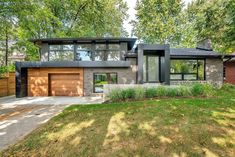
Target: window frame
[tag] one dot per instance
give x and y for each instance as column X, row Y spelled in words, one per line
column 147, row 69
column 197, row 70
column 61, row 51
column 106, row 51
column 103, row 73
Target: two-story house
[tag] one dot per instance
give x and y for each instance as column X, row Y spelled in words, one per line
column 81, row 66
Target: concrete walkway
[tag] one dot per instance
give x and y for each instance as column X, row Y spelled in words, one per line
column 18, row 117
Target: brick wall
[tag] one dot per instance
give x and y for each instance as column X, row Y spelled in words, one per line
column 125, row 76
column 230, row 72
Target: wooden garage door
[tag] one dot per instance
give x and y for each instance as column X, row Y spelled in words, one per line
column 65, row 85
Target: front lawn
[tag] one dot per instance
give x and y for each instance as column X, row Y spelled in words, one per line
column 166, row 127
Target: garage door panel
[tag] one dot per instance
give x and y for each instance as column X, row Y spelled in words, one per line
column 66, row 85
column 65, row 77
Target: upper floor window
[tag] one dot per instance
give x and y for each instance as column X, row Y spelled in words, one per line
column 110, row 52
column 86, row 52
column 61, row 53
column 83, row 52
column 187, row 69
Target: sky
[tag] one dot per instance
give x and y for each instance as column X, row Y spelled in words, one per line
column 132, row 12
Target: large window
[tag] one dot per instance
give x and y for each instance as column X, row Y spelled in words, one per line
column 151, row 68
column 83, row 52
column 61, row 53
column 86, row 52
column 187, row 69
column 103, row 78
column 108, row 52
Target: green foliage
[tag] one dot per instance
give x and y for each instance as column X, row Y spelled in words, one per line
column 128, row 93
column 164, row 21
column 115, row 95
column 151, row 92
column 197, row 89
column 137, row 93
column 5, row 69
column 21, row 20
column 161, row 91
column 185, row 91
column 171, row 92
column 228, row 86
column 208, row 16
column 158, row 21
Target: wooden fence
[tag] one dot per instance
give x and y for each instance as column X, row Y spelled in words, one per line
column 7, row 84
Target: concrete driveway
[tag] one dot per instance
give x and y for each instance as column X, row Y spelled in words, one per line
column 19, row 116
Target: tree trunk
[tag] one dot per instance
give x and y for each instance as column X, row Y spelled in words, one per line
column 6, row 61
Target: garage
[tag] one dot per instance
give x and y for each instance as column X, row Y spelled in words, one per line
column 55, row 82
column 65, row 85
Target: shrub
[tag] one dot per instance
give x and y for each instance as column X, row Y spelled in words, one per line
column 228, row 86
column 115, row 95
column 197, row 89
column 161, row 91
column 150, row 92
column 208, row 89
column 184, row 91
column 128, row 93
column 139, row 93
column 171, row 91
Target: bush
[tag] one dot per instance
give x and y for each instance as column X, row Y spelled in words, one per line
column 161, row 91
column 208, row 89
column 171, row 91
column 115, row 95
column 151, row 92
column 228, row 86
column 128, row 93
column 139, row 93
column 184, row 91
column 197, row 89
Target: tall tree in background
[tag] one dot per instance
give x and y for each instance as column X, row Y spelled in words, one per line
column 167, row 21
column 7, row 30
column 63, row 18
column 215, row 19
column 158, row 21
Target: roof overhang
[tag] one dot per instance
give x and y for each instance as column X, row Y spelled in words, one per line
column 70, row 64
column 130, row 41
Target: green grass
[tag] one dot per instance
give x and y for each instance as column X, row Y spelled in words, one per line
column 161, row 127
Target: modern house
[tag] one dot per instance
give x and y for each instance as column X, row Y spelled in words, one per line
column 81, row 66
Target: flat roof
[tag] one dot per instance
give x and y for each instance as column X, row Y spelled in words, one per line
column 130, row 41
column 196, row 52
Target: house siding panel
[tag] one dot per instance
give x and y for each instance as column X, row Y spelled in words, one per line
column 38, row 79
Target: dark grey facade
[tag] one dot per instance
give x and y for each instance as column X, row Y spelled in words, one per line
column 143, row 63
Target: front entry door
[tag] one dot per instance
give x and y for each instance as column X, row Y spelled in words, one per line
column 151, row 69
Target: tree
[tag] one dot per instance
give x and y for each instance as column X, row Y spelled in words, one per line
column 215, row 19
column 61, row 18
column 158, row 21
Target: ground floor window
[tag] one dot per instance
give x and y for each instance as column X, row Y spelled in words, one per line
column 103, row 78
column 187, row 69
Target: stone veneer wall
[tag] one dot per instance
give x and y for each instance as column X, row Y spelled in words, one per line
column 214, row 73
column 125, row 76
